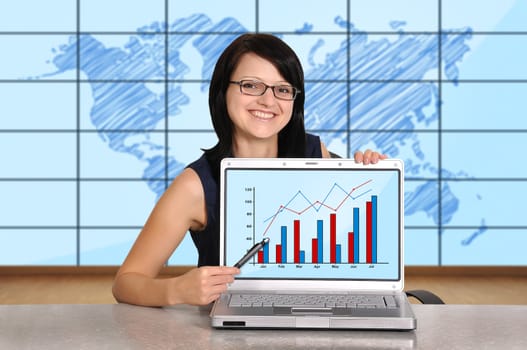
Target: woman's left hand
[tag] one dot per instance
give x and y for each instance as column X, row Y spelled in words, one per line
column 368, row 157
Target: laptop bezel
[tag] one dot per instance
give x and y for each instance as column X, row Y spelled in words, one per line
column 292, row 285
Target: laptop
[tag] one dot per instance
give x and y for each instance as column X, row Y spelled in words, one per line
column 333, row 256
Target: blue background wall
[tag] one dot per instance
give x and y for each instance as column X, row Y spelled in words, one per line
column 102, row 103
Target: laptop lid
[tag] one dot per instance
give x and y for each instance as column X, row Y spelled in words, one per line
column 333, row 225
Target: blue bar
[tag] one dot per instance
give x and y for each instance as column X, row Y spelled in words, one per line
column 337, row 255
column 302, row 257
column 320, row 241
column 266, row 254
column 284, row 244
column 356, row 235
column 374, row 229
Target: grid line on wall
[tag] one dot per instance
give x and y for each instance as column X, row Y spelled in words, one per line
column 78, row 138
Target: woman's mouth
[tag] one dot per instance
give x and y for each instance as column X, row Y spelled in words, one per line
column 262, row 115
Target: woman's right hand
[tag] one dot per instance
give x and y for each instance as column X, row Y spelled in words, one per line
column 203, row 285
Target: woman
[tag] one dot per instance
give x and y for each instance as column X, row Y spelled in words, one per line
column 256, row 103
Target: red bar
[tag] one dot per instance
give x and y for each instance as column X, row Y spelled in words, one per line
column 351, row 247
column 278, row 253
column 260, row 257
column 369, row 236
column 333, row 238
column 314, row 250
column 296, row 244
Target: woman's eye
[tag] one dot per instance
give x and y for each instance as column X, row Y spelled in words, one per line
column 249, row 86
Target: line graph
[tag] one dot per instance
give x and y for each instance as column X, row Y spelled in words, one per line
column 317, row 204
column 316, row 239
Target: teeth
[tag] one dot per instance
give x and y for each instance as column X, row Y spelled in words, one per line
column 262, row 115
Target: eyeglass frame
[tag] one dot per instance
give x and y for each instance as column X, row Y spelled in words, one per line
column 272, row 87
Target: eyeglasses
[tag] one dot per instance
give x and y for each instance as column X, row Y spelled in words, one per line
column 257, row 88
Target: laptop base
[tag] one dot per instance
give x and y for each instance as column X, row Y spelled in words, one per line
column 399, row 318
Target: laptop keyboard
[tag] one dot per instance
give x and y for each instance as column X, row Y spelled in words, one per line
column 313, row 301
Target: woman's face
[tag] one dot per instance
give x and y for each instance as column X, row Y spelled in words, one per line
column 257, row 117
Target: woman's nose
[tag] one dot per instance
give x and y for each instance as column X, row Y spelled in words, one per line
column 268, row 97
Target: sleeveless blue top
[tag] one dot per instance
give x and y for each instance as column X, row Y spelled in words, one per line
column 207, row 241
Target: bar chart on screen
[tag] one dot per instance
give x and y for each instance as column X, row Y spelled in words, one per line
column 323, row 228
column 341, row 223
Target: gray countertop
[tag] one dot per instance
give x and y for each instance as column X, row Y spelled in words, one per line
column 120, row 326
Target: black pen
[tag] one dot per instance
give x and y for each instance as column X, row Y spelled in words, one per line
column 251, row 252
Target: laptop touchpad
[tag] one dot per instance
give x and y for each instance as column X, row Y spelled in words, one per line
column 302, row 311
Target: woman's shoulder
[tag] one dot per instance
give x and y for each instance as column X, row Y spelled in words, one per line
column 312, row 137
column 199, row 165
column 203, row 169
column 187, row 182
column 315, row 147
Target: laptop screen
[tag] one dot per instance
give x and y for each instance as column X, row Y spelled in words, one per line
column 325, row 219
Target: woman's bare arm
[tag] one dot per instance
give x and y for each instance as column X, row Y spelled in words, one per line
column 182, row 207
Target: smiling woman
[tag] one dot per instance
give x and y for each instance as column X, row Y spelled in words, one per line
column 257, row 109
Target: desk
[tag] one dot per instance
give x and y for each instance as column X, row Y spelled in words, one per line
column 120, row 326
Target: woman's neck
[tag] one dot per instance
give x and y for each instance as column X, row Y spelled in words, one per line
column 255, row 148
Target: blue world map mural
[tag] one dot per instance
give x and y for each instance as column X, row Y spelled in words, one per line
column 141, row 116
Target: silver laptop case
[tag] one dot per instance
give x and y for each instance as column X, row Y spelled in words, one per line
column 335, row 255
